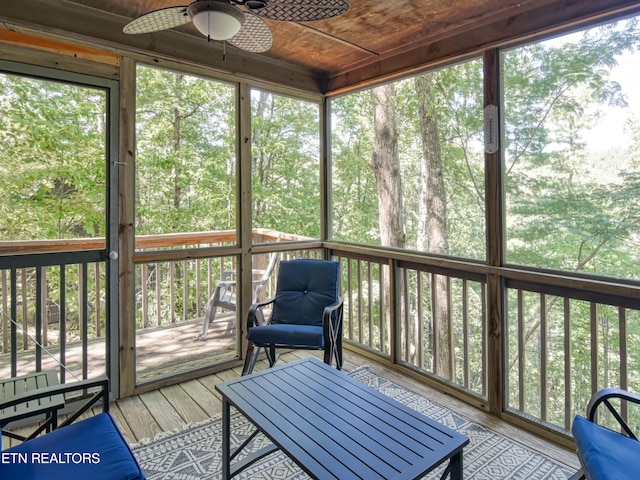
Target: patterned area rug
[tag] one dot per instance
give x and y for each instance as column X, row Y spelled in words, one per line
column 194, row 453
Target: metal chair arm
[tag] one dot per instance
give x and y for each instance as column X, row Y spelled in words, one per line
column 328, row 311
column 603, row 396
column 255, row 312
column 101, row 382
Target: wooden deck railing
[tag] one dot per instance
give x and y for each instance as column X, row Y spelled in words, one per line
column 564, row 336
column 52, row 292
column 427, row 318
column 566, row 343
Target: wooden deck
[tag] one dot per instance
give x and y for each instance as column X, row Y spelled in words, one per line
column 144, row 416
column 160, row 351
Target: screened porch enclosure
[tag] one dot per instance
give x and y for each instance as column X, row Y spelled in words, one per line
column 396, row 328
column 502, row 274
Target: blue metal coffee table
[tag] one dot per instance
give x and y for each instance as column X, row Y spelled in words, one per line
column 335, row 427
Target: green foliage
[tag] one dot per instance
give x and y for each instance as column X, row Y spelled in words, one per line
column 354, row 193
column 186, row 153
column 567, row 207
column 52, row 164
column 286, row 161
column 457, row 107
column 564, row 210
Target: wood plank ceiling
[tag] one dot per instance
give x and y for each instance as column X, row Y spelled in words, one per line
column 374, row 40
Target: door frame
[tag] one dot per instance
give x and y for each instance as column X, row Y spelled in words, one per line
column 111, row 89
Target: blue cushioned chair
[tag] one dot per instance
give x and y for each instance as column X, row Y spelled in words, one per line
column 606, row 454
column 306, row 313
column 92, row 449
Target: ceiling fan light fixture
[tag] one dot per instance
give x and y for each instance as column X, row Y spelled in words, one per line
column 216, row 20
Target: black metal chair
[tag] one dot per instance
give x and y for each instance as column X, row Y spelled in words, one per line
column 306, row 313
column 78, row 447
column 604, row 453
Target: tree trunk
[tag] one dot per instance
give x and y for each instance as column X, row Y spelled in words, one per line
column 385, row 164
column 433, row 221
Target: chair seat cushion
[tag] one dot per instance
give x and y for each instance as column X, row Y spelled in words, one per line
column 92, row 449
column 309, row 336
column 606, row 454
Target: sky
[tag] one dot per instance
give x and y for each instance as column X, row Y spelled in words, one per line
column 610, row 130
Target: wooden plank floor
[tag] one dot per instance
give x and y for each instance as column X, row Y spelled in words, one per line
column 167, row 349
column 144, row 416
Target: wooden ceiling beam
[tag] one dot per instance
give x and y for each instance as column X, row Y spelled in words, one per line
column 464, row 44
column 58, row 47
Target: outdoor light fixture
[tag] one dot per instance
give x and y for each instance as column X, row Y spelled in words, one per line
column 216, row 20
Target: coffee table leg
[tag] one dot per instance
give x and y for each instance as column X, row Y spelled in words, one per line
column 226, row 439
column 455, row 466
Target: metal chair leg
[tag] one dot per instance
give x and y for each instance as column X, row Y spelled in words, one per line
column 250, row 359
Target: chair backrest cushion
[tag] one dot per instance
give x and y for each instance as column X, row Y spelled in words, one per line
column 304, row 289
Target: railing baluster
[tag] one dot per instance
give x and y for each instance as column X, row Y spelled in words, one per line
column 383, row 309
column 84, row 319
column 622, row 326
column 452, row 345
column 435, row 327
column 38, row 322
column 25, row 310
column 484, row 336
column 63, row 322
column 568, row 392
column 45, row 306
column 198, row 292
column 158, row 302
column 593, row 307
column 350, row 297
column 185, row 289
column 543, row 357
column 406, row 310
column 5, row 308
column 465, row 333
column 98, row 299
column 521, row 352
column 145, row 296
column 14, row 327
column 360, row 319
column 420, row 319
column 172, row 289
column 370, row 303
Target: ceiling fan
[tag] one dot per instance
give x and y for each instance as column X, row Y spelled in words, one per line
column 237, row 21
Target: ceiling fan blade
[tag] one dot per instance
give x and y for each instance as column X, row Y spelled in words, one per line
column 254, row 36
column 303, row 10
column 162, row 19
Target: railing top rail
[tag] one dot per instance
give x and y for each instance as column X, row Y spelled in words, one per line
column 143, row 242
column 553, row 282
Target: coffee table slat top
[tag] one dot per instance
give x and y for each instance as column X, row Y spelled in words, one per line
column 336, row 427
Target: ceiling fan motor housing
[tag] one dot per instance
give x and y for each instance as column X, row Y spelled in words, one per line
column 216, row 19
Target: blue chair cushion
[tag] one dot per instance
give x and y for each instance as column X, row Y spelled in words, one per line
column 305, row 288
column 606, row 454
column 92, row 449
column 288, row 334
